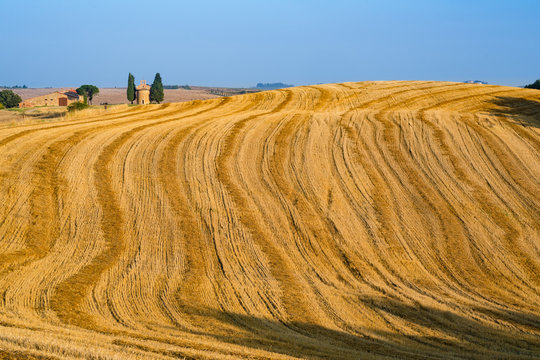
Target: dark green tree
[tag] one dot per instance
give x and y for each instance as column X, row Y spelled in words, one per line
column 88, row 91
column 9, row 99
column 156, row 90
column 535, row 85
column 131, row 88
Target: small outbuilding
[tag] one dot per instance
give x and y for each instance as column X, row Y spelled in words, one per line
column 143, row 93
column 57, row 98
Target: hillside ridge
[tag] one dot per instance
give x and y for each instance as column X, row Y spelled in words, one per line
column 384, row 220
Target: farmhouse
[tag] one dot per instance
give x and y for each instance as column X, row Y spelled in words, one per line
column 53, row 99
column 143, row 93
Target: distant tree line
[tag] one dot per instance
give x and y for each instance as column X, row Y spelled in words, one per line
column 220, row 92
column 534, row 85
column 475, row 82
column 176, row 87
column 272, row 86
column 230, row 91
column 14, row 87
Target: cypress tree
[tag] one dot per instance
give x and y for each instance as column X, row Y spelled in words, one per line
column 156, row 90
column 131, row 88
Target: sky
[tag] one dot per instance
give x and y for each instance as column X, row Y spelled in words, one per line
column 61, row 43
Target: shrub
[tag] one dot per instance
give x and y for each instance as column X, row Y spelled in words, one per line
column 1, row 106
column 535, row 85
column 9, row 99
column 77, row 106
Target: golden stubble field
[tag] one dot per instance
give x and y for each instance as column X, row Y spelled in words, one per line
column 386, row 220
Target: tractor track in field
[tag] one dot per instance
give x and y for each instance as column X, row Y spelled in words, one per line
column 377, row 220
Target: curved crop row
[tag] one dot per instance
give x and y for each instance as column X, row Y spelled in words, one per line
column 344, row 221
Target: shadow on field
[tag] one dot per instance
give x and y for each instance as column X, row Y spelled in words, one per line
column 453, row 336
column 521, row 111
column 56, row 115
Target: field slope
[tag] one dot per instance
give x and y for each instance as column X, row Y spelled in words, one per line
column 386, row 220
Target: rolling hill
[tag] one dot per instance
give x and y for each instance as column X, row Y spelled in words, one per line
column 384, row 220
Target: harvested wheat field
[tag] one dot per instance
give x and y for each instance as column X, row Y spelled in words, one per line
column 385, row 220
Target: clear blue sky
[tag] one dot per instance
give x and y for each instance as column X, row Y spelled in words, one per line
column 240, row 43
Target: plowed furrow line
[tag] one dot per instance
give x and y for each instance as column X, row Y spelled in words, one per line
column 338, row 243
column 387, row 97
column 312, row 222
column 70, row 293
column 277, row 264
column 400, row 105
column 471, row 190
column 177, row 189
column 369, row 105
column 38, row 128
column 378, row 220
column 529, row 262
column 341, row 153
column 520, row 129
column 462, row 101
column 390, row 218
column 150, row 193
column 84, row 117
column 409, row 102
column 381, row 201
column 456, row 235
column 480, row 195
column 450, row 224
column 324, row 100
column 46, row 180
column 312, row 241
column 15, row 136
column 521, row 179
column 44, row 202
column 380, row 194
column 37, row 145
column 279, row 268
column 386, row 218
column 100, row 120
column 439, row 136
